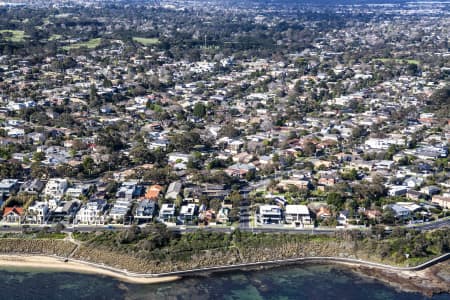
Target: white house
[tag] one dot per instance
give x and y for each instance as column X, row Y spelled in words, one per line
column 37, row 213
column 55, row 187
column 167, row 212
column 91, row 213
column 188, row 213
column 119, row 210
column 413, row 182
column 384, row 143
column 297, row 214
column 269, row 214
column 76, row 192
column 397, row 190
column 177, row 157
column 399, row 211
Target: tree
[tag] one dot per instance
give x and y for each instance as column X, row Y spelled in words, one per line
column 88, row 165
column 413, row 70
column 229, row 131
column 350, row 175
column 38, row 170
column 185, row 141
column 388, row 216
column 215, row 204
column 336, row 200
column 93, row 97
column 309, row 149
column 59, row 228
column 111, row 140
column 141, row 155
column 38, row 156
column 251, row 175
column 358, row 132
column 199, row 110
column 235, row 198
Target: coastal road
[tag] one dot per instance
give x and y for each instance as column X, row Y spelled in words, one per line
column 244, row 225
column 431, row 225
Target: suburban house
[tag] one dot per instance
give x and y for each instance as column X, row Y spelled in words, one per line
column 38, row 213
column 173, row 190
column 400, row 212
column 129, row 190
column 443, row 201
column 76, row 192
column 343, row 217
column 222, row 215
column 269, row 214
column 430, row 190
column 218, row 191
column 145, row 211
column 91, row 213
column 323, row 213
column 120, row 209
column 7, row 187
column 167, row 212
column 297, row 215
column 299, row 183
column 153, row 192
column 188, row 213
column 240, row 170
column 34, row 186
column 398, row 190
column 55, row 188
column 177, row 157
column 372, row 214
column 12, row 214
column 415, row 195
column 66, row 211
column 413, row 182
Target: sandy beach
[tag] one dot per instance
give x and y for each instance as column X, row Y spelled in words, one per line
column 57, row 264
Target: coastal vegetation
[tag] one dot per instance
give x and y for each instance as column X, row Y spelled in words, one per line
column 155, row 242
column 155, row 249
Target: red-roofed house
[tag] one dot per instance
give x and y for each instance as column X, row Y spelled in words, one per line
column 12, row 214
column 153, row 192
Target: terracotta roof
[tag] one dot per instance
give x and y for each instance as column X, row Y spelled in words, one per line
column 153, row 192
column 16, row 210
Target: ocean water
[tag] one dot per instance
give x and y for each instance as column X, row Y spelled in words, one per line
column 320, row 282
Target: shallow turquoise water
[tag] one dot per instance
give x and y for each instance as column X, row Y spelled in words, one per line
column 320, row 282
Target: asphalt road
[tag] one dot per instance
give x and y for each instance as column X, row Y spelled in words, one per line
column 244, row 217
column 432, row 225
column 244, row 225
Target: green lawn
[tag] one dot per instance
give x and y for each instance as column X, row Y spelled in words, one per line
column 146, row 41
column 408, row 61
column 91, row 44
column 13, row 35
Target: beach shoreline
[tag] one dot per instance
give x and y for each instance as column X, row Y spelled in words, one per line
column 415, row 279
column 52, row 263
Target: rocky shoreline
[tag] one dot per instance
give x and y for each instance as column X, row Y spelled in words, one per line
column 430, row 281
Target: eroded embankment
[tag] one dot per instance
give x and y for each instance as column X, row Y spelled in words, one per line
column 435, row 279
